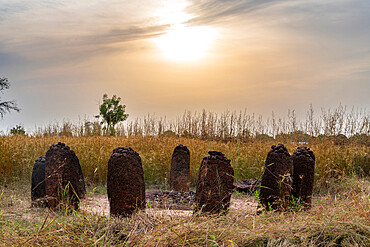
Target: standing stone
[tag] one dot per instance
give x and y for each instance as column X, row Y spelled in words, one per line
column 38, row 191
column 180, row 169
column 81, row 179
column 125, row 182
column 303, row 175
column 215, row 184
column 276, row 179
column 63, row 176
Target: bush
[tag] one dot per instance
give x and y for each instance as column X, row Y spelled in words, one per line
column 17, row 130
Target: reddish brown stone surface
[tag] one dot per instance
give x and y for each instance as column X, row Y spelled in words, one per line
column 303, row 175
column 276, row 180
column 81, row 180
column 215, row 184
column 38, row 191
column 125, row 182
column 180, row 169
column 63, row 176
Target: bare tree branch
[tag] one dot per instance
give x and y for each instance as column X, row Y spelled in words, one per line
column 6, row 106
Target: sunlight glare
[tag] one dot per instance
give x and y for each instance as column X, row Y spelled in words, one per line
column 186, row 43
column 173, row 12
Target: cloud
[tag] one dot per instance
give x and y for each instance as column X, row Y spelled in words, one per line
column 217, row 11
column 327, row 36
column 43, row 35
column 316, row 14
column 124, row 35
column 311, row 50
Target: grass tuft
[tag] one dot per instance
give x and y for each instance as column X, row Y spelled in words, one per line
column 334, row 220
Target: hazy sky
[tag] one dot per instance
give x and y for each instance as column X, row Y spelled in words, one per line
column 164, row 57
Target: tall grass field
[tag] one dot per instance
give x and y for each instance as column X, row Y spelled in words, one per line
column 340, row 214
column 333, row 162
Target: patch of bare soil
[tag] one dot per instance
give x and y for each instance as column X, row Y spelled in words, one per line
column 243, row 205
column 99, row 204
column 20, row 207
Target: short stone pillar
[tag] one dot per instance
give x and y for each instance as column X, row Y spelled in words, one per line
column 63, row 177
column 303, row 175
column 180, row 169
column 215, row 184
column 276, row 180
column 81, row 179
column 125, row 182
column 38, row 191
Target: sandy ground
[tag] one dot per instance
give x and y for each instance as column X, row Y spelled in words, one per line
column 15, row 206
column 99, row 204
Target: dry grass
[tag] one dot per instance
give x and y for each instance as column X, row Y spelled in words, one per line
column 335, row 220
column 17, row 155
column 339, row 216
column 340, row 121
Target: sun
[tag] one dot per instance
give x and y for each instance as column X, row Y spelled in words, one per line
column 183, row 43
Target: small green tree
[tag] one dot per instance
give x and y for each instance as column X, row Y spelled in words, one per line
column 17, row 130
column 112, row 112
column 6, row 106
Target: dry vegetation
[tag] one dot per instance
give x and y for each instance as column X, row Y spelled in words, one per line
column 247, row 158
column 339, row 219
column 341, row 205
column 339, row 216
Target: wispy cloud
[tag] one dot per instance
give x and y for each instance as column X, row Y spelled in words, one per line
column 127, row 34
column 327, row 35
column 306, row 50
column 217, row 11
column 52, row 33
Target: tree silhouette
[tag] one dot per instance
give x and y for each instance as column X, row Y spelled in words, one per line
column 6, row 106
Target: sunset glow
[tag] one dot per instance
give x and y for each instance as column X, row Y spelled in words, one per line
column 186, row 43
column 173, row 13
column 166, row 56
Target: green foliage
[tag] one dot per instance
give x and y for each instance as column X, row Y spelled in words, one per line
column 258, row 199
column 237, row 193
column 6, row 106
column 296, row 203
column 17, row 130
column 212, row 241
column 257, row 196
column 112, row 113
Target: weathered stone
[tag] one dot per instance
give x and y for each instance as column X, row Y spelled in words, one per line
column 81, row 179
column 303, row 175
column 125, row 182
column 180, row 169
column 38, row 191
column 276, row 179
column 247, row 186
column 64, row 180
column 215, row 184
